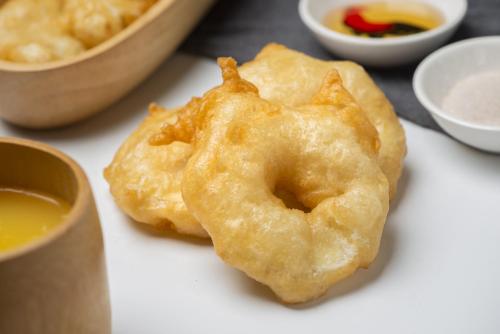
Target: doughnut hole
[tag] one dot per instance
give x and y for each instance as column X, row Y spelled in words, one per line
column 289, row 199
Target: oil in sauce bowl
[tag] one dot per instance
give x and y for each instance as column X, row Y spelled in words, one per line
column 384, row 19
column 26, row 216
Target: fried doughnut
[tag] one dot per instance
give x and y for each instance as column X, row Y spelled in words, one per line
column 274, row 72
column 324, row 153
column 145, row 180
column 290, row 77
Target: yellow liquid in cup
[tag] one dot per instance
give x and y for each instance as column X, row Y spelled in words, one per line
column 26, row 216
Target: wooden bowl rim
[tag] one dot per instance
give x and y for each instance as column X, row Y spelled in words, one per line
column 144, row 20
column 78, row 209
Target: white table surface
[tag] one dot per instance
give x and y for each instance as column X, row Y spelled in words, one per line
column 438, row 270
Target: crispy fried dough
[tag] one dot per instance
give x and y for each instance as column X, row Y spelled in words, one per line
column 292, row 78
column 324, row 153
column 282, row 75
column 145, row 180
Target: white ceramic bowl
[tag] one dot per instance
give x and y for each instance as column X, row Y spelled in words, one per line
column 437, row 74
column 387, row 51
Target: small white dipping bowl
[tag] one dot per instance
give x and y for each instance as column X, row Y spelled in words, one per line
column 383, row 52
column 440, row 71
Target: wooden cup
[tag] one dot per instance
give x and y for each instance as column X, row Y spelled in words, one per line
column 57, row 284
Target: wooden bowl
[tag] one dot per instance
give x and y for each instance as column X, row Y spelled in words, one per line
column 62, row 92
column 56, row 284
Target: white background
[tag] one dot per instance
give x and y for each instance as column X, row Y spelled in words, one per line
column 438, row 270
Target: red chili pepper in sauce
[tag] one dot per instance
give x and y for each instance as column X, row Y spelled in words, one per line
column 354, row 20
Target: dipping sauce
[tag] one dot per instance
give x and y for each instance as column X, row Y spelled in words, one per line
column 384, row 19
column 26, row 216
column 475, row 99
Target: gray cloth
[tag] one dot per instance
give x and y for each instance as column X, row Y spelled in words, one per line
column 240, row 28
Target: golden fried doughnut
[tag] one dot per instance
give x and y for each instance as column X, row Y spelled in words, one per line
column 290, row 77
column 145, row 180
column 324, row 153
column 274, row 65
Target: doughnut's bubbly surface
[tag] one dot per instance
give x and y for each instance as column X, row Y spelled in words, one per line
column 36, row 31
column 323, row 153
column 150, row 191
column 292, row 78
column 145, row 180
